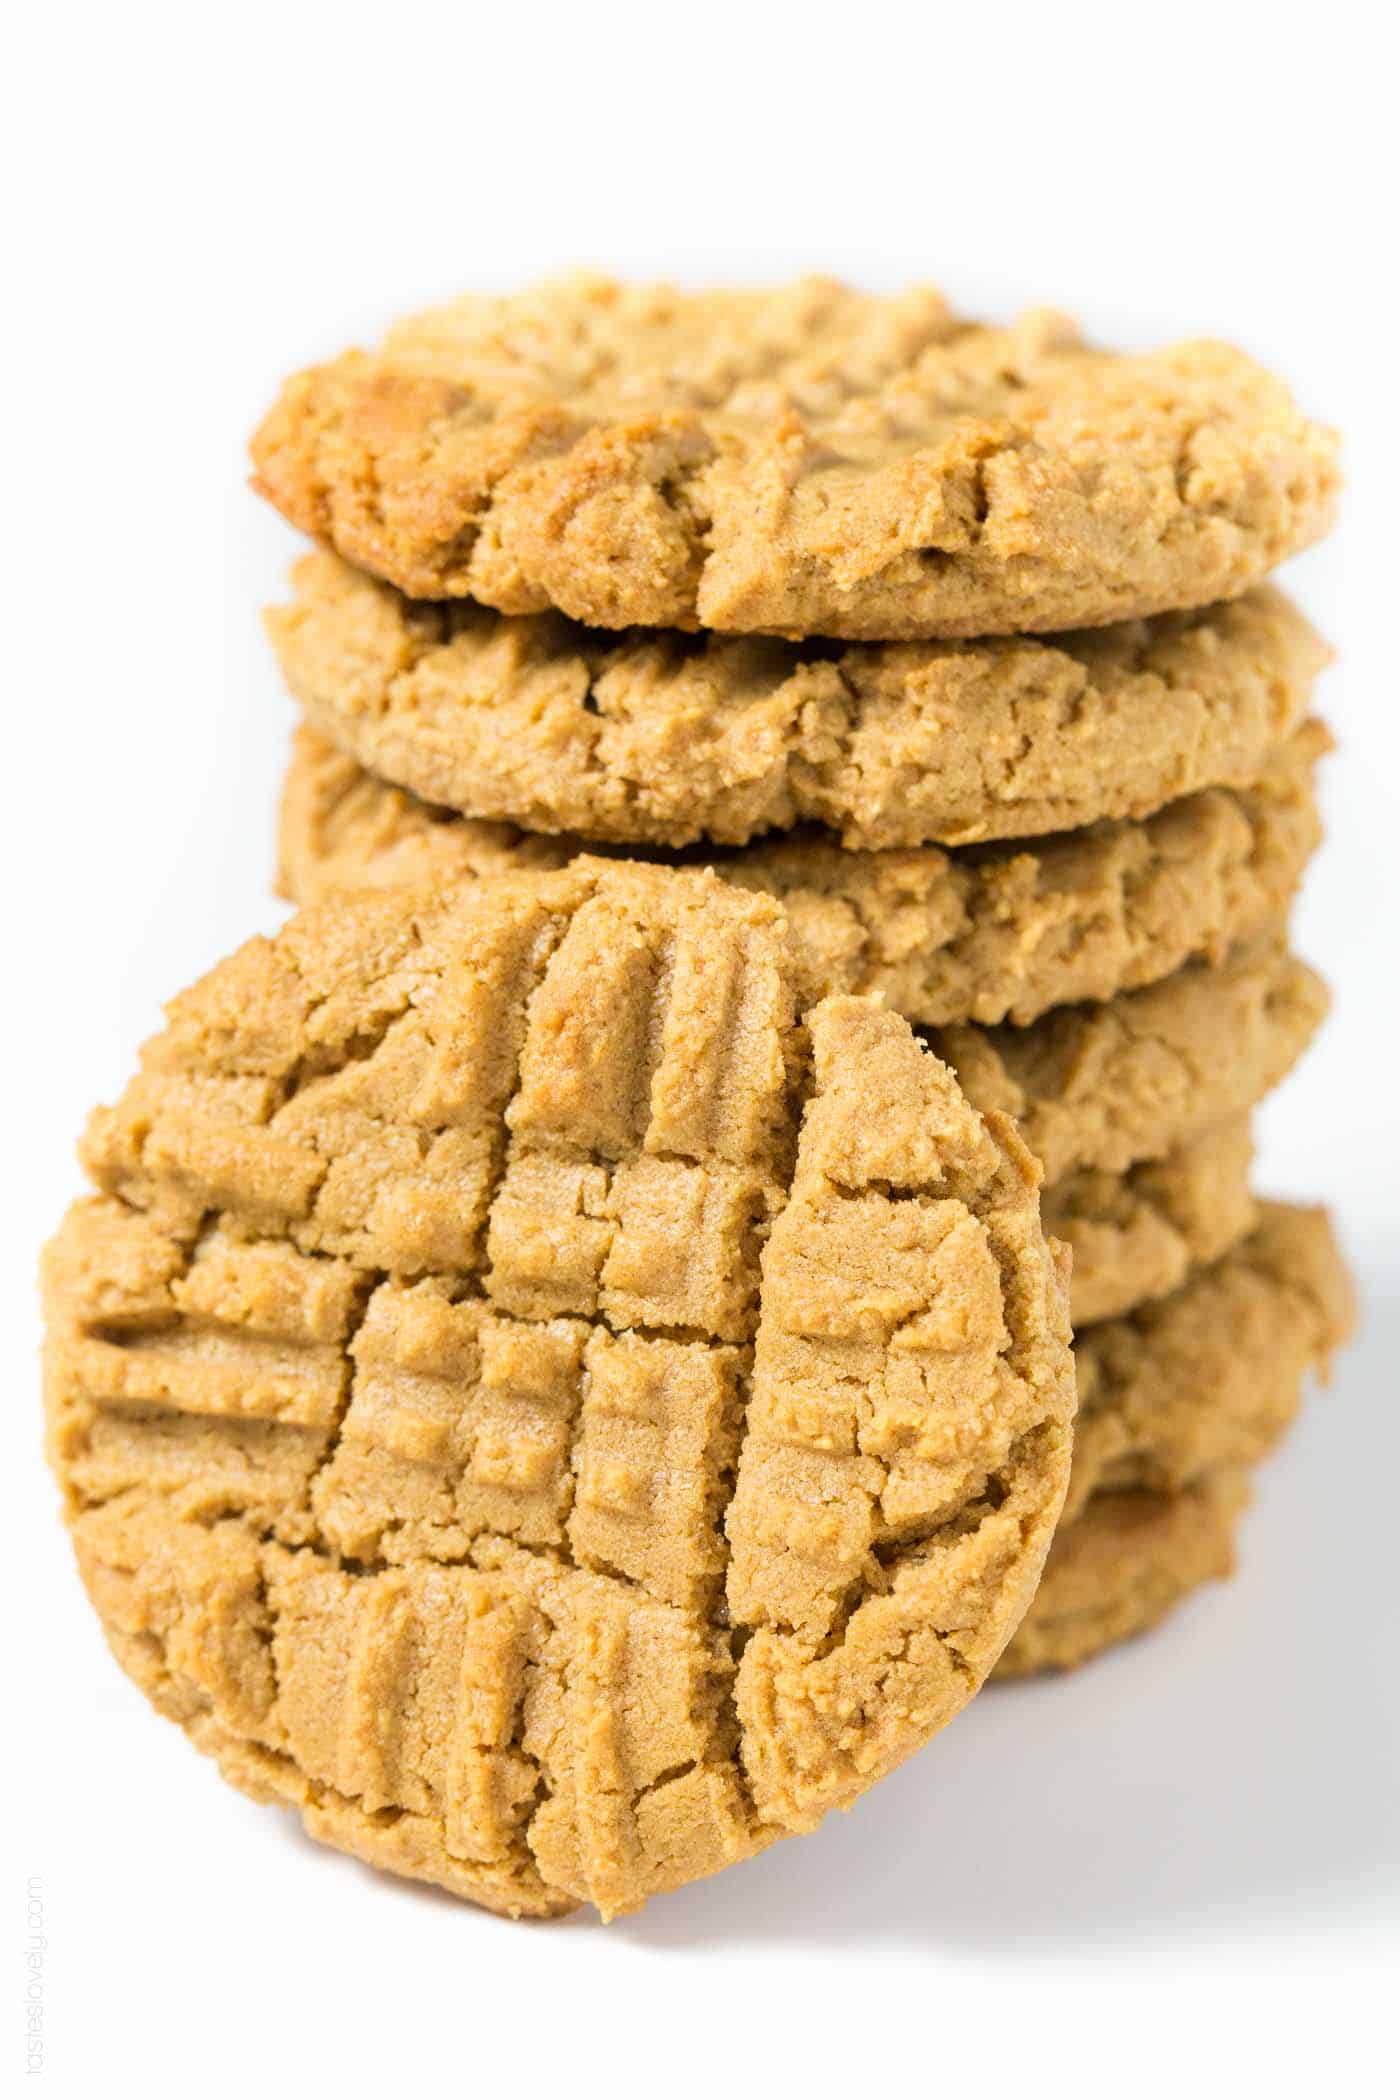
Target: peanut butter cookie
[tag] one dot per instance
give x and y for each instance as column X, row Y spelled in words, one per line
column 804, row 460
column 537, row 1400
column 1177, row 1406
column 664, row 740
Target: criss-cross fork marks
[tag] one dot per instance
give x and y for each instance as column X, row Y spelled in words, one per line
column 212, row 1373
column 439, row 1422
column 610, row 1449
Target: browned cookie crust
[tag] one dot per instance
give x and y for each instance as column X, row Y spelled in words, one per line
column 659, row 739
column 1127, row 1562
column 532, row 1399
column 984, row 934
column 1212, row 1375
column 805, row 460
column 1137, row 1236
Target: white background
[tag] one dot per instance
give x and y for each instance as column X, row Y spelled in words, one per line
column 1179, row 1866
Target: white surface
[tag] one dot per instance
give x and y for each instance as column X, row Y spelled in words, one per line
column 1183, row 1863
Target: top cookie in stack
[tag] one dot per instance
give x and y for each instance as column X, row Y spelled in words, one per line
column 806, row 461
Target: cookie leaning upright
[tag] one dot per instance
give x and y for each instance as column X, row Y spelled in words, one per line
column 806, row 460
column 540, row 1403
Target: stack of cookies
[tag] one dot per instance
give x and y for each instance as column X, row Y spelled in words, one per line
column 566, row 1375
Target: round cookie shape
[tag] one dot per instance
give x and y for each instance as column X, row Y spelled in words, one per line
column 666, row 739
column 985, row 934
column 802, row 460
column 540, row 1402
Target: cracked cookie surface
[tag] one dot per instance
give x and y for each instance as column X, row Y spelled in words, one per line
column 803, row 460
column 1096, row 1085
column 985, row 934
column 664, row 739
column 537, row 1400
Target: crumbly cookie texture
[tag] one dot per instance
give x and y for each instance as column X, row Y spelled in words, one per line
column 805, row 460
column 1212, row 1375
column 540, row 1403
column 988, row 934
column 1137, row 1236
column 1177, row 1405
column 664, row 739
column 1106, row 1086
column 1127, row 1562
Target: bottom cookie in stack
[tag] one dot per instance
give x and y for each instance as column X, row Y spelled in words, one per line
column 1178, row 1402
